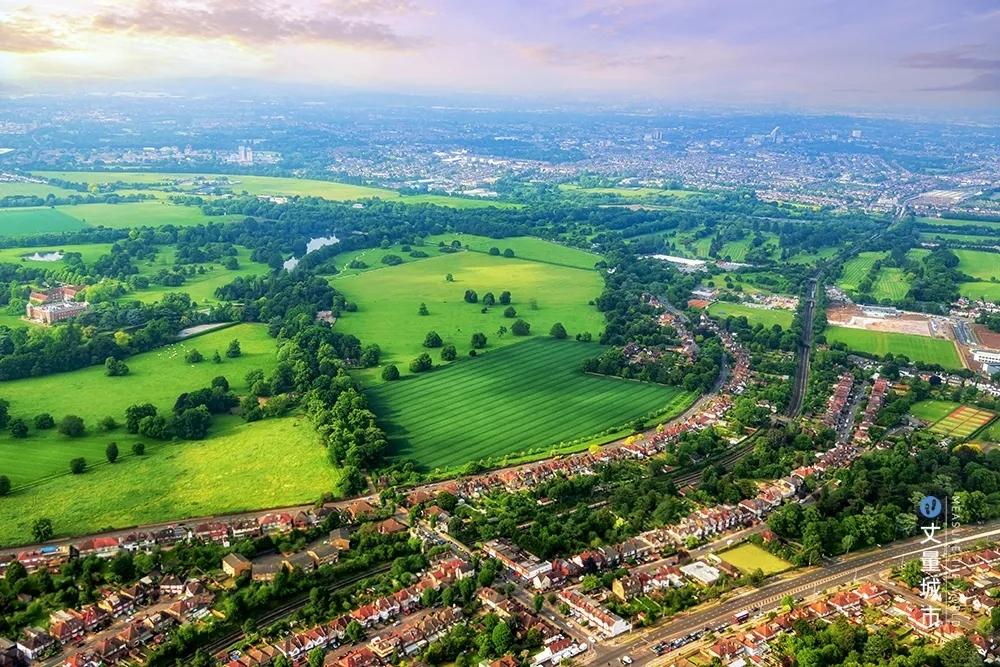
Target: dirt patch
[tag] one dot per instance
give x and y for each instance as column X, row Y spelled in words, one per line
column 987, row 338
column 907, row 323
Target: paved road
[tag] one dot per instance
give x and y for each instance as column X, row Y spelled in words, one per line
column 833, row 573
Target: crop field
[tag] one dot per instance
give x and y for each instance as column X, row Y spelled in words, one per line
column 766, row 316
column 389, row 299
column 879, row 343
column 8, row 189
column 201, row 286
column 524, row 398
column 963, row 421
column 89, row 252
column 280, row 460
column 156, row 377
column 273, row 185
column 932, row 410
column 525, row 247
column 750, row 557
column 856, row 268
column 36, row 220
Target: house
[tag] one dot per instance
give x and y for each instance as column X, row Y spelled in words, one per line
column 171, row 585
column 701, row 572
column 276, row 523
column 235, row 565
column 391, row 527
column 323, row 554
column 340, row 538
column 628, row 587
column 35, row 643
column 360, row 509
column 102, row 547
column 66, row 625
column 266, row 570
column 135, row 634
column 111, row 649
column 301, row 560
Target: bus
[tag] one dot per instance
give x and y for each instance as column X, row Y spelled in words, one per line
column 741, row 616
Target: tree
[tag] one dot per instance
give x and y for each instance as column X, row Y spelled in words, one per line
column 354, row 632
column 44, row 421
column 471, row 296
column 520, row 328
column 432, row 339
column 78, row 465
column 448, row 352
column 507, row 252
column 18, row 428
column 221, row 383
column 423, row 310
column 558, row 331
column 4, row 485
column 478, row 340
column 505, row 298
column 72, row 426
column 4, row 412
column 316, row 657
column 421, row 363
column 449, row 278
column 193, row 356
column 960, row 652
column 216, row 357
column 111, row 452
column 41, row 530
column 390, row 373
column 510, row 312
column 107, row 423
column 495, row 251
column 489, row 299
column 135, row 414
column 193, row 423
column 538, row 602
column 233, row 350
column 115, row 367
column 502, row 638
column 138, row 448
column 370, row 354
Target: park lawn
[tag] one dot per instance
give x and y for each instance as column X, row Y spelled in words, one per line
column 891, row 283
column 988, row 291
column 388, row 300
column 991, row 433
column 766, row 316
column 856, row 268
column 756, row 282
column 8, row 189
column 749, row 557
column 239, row 467
column 979, row 263
column 932, row 410
column 36, row 220
column 201, row 286
column 90, row 252
column 949, row 222
column 156, row 377
column 525, row 247
column 373, row 258
column 922, row 349
column 274, row 185
column 527, row 397
column 142, row 214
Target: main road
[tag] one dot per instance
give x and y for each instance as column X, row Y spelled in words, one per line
column 832, row 573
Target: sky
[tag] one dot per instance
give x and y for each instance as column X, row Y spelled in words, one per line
column 836, row 54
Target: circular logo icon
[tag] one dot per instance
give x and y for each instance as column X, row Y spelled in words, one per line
column 930, row 506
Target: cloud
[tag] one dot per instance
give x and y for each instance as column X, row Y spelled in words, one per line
column 256, row 22
column 19, row 35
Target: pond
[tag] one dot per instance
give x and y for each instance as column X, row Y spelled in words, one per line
column 314, row 244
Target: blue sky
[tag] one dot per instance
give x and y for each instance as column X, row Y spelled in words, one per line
column 844, row 54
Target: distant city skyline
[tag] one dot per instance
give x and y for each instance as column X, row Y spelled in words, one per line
column 841, row 55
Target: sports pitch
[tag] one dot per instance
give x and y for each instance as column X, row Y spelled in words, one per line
column 962, row 422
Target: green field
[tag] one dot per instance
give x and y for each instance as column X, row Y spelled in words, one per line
column 373, row 258
column 891, row 283
column 525, row 247
column 947, row 222
column 636, row 193
column 89, row 252
column 991, row 433
column 273, row 185
column 33, row 190
column 766, row 316
column 879, row 343
column 987, row 291
column 524, row 398
column 142, row 214
column 156, row 377
column 750, row 557
column 270, row 463
column 388, row 300
column 201, row 286
column 932, row 410
column 960, row 238
column 36, row 220
column 856, row 268
column 964, row 421
column 979, row 263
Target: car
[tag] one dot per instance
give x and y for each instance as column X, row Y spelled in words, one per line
column 626, row 660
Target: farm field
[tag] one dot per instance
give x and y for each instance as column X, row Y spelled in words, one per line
column 90, row 252
column 141, row 214
column 749, row 557
column 949, row 222
column 765, row 316
column 525, row 247
column 856, row 268
column 36, row 220
column 960, row 238
column 988, row 291
column 14, row 189
column 979, row 263
column 932, row 410
column 279, row 459
column 879, row 343
column 963, row 421
column 156, row 377
column 201, row 287
column 274, row 185
column 388, row 300
column 524, row 398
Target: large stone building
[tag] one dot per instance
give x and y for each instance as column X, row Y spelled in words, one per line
column 55, row 305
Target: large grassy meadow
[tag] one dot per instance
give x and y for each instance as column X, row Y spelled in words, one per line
column 36, row 220
column 766, row 316
column 270, row 463
column 389, row 299
column 89, row 252
column 156, row 377
column 525, row 398
column 524, row 247
column 201, row 286
column 879, row 343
